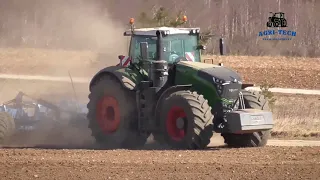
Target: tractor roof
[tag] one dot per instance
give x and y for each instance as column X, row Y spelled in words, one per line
column 168, row 30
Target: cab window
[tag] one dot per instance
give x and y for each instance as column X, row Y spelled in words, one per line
column 181, row 46
column 174, row 46
column 135, row 47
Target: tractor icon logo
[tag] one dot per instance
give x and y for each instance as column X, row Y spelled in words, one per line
column 277, row 20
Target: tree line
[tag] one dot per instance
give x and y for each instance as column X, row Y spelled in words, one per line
column 56, row 24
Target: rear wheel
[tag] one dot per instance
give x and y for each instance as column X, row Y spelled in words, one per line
column 112, row 115
column 7, row 126
column 185, row 121
column 252, row 100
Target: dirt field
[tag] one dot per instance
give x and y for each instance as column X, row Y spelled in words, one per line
column 218, row 163
column 296, row 116
column 282, row 72
column 278, row 71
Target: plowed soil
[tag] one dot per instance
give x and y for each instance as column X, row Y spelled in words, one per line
column 255, row 163
column 286, row 72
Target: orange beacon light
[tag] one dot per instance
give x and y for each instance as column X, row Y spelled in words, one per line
column 131, row 20
column 184, row 19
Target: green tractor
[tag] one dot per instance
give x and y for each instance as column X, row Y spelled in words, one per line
column 162, row 88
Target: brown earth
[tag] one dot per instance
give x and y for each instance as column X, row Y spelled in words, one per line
column 278, row 71
column 218, row 163
column 285, row 72
column 296, row 116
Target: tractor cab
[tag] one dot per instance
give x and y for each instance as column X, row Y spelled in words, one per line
column 164, row 43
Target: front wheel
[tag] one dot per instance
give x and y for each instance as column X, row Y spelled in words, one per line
column 252, row 100
column 185, row 121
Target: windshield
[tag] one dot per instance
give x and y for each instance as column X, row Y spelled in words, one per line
column 174, row 46
column 181, row 45
column 135, row 47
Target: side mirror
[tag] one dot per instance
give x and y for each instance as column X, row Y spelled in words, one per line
column 144, row 50
column 201, row 47
column 120, row 57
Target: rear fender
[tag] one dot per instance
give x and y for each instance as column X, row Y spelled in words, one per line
column 113, row 71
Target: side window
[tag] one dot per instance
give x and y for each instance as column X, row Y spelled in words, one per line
column 188, row 45
column 176, row 47
column 135, row 47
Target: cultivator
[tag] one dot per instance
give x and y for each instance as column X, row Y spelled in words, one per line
column 27, row 114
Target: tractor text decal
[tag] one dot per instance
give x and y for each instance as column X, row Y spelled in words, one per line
column 277, row 20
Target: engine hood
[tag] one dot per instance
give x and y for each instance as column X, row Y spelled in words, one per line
column 210, row 71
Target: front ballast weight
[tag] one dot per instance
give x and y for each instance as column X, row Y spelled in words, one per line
column 241, row 119
column 248, row 120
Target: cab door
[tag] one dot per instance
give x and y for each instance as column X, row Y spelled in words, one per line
column 134, row 52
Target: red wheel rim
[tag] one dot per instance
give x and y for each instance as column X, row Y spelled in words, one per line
column 108, row 114
column 174, row 132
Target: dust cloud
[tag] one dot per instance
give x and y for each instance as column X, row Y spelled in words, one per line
column 66, row 27
column 58, row 24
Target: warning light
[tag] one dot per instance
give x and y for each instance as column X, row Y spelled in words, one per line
column 131, row 20
column 184, row 19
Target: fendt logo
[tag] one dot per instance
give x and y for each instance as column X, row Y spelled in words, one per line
column 277, row 20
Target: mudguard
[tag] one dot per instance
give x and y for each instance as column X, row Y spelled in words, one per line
column 117, row 72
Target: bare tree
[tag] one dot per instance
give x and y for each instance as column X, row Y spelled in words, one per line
column 37, row 23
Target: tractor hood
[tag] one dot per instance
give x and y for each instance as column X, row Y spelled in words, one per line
column 212, row 72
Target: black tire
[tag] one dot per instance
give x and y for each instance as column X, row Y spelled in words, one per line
column 197, row 116
column 124, row 134
column 252, row 100
column 7, row 126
